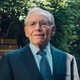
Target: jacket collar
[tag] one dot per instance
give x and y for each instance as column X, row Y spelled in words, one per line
column 59, row 64
column 57, row 57
column 28, row 59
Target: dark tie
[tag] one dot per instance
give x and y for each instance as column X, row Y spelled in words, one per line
column 44, row 66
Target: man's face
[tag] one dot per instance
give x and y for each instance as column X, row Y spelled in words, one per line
column 38, row 30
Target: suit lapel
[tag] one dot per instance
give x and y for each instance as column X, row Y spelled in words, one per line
column 28, row 59
column 58, row 66
column 59, row 63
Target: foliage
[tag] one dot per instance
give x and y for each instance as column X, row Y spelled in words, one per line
column 67, row 20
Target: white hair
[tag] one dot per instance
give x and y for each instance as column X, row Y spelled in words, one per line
column 48, row 14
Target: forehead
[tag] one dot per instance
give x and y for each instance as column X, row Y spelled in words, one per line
column 36, row 16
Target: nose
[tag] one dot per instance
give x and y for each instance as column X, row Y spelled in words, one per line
column 38, row 26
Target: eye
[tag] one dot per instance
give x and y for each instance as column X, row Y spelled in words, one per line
column 32, row 23
column 44, row 23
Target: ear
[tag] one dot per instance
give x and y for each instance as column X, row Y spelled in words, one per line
column 26, row 32
column 53, row 30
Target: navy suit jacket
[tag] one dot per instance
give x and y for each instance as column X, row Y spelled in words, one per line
column 20, row 65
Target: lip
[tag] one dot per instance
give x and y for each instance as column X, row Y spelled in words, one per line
column 38, row 35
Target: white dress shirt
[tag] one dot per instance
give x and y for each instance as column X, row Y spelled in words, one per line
column 37, row 58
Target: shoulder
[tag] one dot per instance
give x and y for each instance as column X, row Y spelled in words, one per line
column 62, row 54
column 14, row 53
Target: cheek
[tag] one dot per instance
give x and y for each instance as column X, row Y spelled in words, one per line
column 26, row 32
column 29, row 32
column 48, row 33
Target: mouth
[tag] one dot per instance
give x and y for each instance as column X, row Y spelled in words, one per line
column 38, row 35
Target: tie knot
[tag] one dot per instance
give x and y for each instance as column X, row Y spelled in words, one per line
column 41, row 53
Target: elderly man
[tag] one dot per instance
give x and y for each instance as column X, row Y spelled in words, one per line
column 38, row 60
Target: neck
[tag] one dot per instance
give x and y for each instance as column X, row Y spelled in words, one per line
column 41, row 46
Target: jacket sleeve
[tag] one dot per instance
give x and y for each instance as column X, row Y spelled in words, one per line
column 5, row 69
column 74, row 70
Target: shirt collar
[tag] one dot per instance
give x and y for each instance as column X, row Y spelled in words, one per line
column 47, row 49
column 34, row 49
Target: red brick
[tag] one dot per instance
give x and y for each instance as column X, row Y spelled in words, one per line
column 4, row 47
column 2, row 52
column 8, row 41
column 1, row 41
column 0, row 57
column 13, row 47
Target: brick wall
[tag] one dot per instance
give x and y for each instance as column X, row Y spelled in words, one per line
column 7, row 45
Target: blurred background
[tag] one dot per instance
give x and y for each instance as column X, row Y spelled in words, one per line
column 67, row 20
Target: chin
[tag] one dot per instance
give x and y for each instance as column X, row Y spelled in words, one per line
column 40, row 42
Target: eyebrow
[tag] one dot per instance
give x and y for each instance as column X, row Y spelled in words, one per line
column 39, row 21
